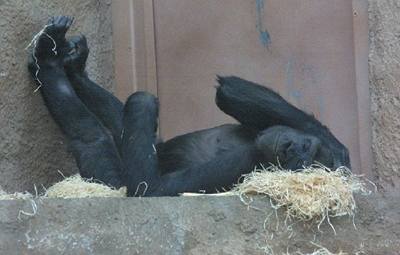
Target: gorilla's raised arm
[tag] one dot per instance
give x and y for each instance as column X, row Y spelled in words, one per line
column 259, row 107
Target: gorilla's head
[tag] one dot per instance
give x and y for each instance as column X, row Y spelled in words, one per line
column 293, row 149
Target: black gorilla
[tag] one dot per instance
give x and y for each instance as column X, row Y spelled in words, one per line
column 117, row 143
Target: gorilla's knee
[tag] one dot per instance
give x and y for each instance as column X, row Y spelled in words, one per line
column 141, row 102
column 141, row 97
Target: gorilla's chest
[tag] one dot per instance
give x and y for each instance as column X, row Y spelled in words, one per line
column 202, row 146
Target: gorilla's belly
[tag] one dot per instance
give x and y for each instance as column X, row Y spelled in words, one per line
column 201, row 146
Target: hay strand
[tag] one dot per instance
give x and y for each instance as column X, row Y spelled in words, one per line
column 13, row 196
column 34, row 43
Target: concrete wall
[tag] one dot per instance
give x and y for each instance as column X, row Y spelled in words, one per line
column 32, row 148
column 190, row 225
column 384, row 63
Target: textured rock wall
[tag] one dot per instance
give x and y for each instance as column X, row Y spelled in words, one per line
column 384, row 64
column 32, row 147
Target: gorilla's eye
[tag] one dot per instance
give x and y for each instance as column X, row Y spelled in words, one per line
column 286, row 148
column 306, row 145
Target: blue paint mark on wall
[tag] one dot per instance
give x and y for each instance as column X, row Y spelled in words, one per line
column 264, row 36
column 292, row 91
column 289, row 75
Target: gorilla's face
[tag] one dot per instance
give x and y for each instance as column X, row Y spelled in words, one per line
column 293, row 149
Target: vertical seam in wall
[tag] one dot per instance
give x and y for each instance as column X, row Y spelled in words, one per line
column 156, row 66
column 354, row 52
column 133, row 77
column 362, row 87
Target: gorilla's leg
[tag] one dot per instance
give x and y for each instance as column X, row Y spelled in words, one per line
column 215, row 175
column 138, row 149
column 259, row 107
column 92, row 147
column 107, row 108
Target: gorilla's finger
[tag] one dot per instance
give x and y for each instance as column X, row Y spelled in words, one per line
column 57, row 20
column 82, row 43
column 78, row 42
column 84, row 40
column 70, row 21
column 50, row 21
column 74, row 39
column 64, row 21
column 69, row 59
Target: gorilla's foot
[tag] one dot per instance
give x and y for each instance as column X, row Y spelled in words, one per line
column 49, row 46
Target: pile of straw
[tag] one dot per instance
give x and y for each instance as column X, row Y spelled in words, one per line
column 315, row 192
column 71, row 187
column 78, row 187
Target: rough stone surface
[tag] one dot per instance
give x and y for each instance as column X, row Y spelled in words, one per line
column 32, row 148
column 190, row 225
column 384, row 62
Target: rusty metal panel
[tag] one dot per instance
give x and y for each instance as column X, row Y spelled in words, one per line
column 312, row 52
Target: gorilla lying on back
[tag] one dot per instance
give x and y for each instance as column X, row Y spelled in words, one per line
column 116, row 143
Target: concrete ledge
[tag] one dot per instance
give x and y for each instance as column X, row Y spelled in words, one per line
column 188, row 225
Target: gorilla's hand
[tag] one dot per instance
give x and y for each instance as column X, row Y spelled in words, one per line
column 51, row 44
column 331, row 148
column 341, row 157
column 77, row 54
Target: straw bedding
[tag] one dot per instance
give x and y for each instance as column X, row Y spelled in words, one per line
column 77, row 187
column 71, row 187
column 314, row 192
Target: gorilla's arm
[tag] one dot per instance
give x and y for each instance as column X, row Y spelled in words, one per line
column 259, row 107
column 99, row 101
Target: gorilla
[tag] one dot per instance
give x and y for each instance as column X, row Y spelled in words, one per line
column 117, row 143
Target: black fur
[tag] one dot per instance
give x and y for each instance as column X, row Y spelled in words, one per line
column 116, row 143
